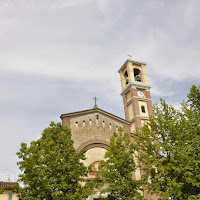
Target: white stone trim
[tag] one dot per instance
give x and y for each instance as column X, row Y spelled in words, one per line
column 133, row 62
column 141, row 117
column 135, row 85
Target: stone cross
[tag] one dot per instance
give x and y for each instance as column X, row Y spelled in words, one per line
column 95, row 100
column 129, row 57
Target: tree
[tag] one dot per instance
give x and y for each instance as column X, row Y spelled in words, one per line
column 51, row 167
column 116, row 171
column 169, row 146
column 13, row 187
column 1, row 190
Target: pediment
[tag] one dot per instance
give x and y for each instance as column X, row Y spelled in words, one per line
column 95, row 111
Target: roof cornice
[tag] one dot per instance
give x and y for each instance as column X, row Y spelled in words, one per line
column 135, row 84
column 131, row 61
column 94, row 110
column 6, row 185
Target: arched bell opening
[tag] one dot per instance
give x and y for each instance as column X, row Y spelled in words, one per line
column 126, row 77
column 137, row 75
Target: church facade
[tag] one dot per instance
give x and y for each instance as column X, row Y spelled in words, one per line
column 92, row 129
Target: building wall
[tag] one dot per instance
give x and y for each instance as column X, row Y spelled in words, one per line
column 94, row 155
column 4, row 196
column 130, row 111
column 92, row 127
column 143, row 103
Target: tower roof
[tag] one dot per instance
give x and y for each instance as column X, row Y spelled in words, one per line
column 132, row 61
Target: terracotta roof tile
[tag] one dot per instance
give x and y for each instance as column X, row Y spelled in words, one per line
column 6, row 184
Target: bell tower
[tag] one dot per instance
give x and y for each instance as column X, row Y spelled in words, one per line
column 135, row 93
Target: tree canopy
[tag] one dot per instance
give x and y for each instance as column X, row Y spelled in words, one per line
column 51, row 167
column 1, row 190
column 169, row 146
column 116, row 171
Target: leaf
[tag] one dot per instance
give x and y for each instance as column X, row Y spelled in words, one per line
column 51, row 168
column 169, row 146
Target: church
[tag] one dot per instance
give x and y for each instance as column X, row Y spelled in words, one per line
column 92, row 129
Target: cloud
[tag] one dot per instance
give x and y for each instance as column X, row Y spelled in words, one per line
column 57, row 55
column 91, row 37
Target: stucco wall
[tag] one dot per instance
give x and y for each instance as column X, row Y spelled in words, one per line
column 94, row 126
column 4, row 196
column 143, row 103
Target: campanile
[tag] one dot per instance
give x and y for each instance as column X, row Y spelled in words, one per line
column 135, row 93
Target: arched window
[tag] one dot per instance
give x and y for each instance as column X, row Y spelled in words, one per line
column 126, row 77
column 143, row 109
column 137, row 75
column 95, row 166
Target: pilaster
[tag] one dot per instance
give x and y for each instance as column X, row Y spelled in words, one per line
column 125, row 108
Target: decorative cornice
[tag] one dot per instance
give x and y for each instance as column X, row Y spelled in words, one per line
column 132, row 62
column 126, row 89
column 94, row 110
column 128, row 102
column 139, row 98
column 129, row 62
column 135, row 84
column 142, row 99
column 141, row 117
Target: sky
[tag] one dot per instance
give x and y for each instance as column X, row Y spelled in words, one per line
column 56, row 56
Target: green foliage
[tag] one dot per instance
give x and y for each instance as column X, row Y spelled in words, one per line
column 51, row 167
column 13, row 188
column 169, row 147
column 116, row 171
column 1, row 190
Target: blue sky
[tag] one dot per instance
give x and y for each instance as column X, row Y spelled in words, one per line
column 55, row 56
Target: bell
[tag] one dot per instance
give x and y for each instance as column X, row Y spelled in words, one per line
column 138, row 77
column 127, row 80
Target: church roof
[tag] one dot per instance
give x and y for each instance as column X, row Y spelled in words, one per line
column 5, row 185
column 95, row 110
